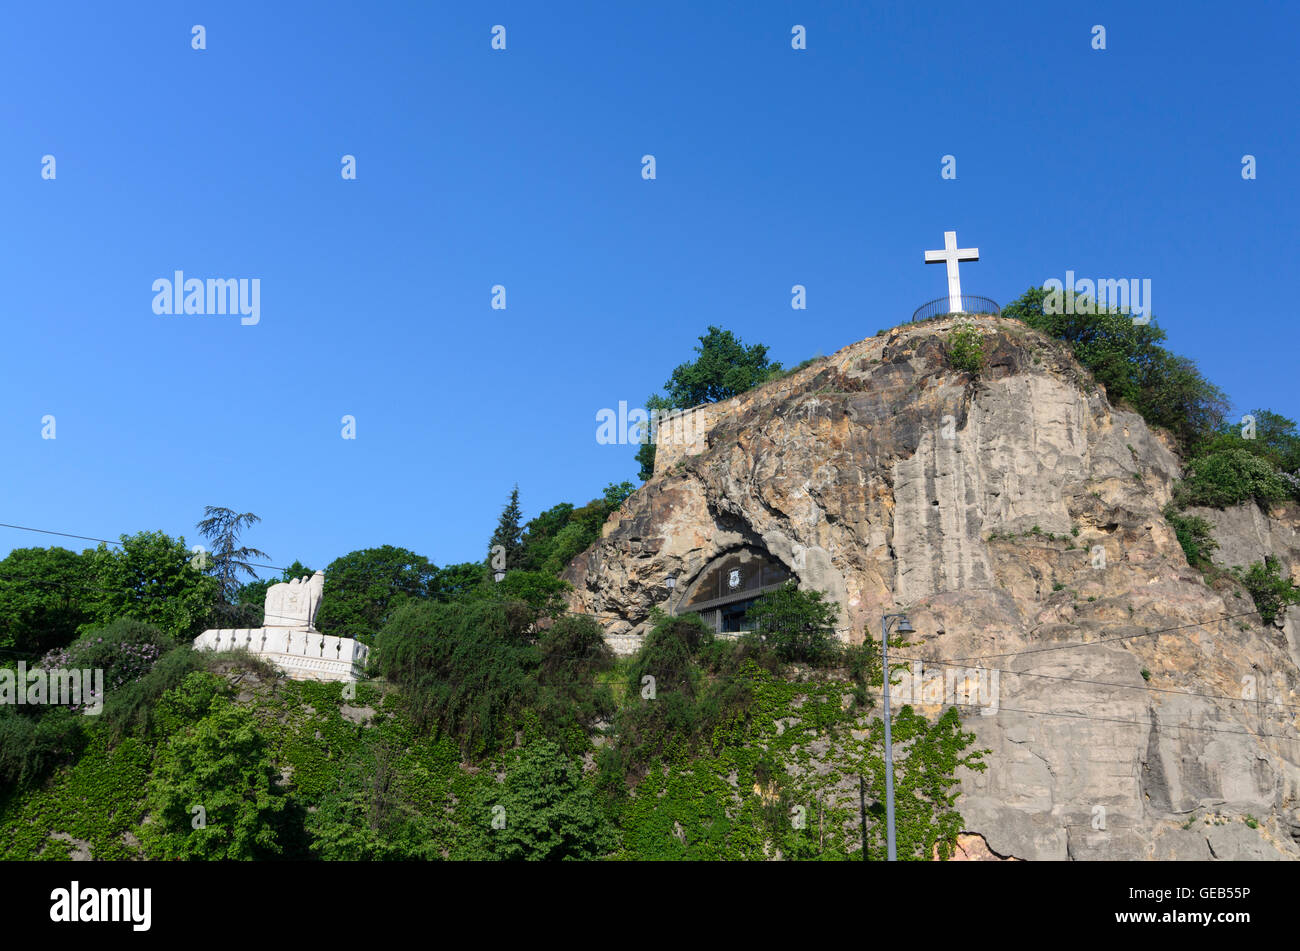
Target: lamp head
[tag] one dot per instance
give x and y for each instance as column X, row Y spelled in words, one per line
column 905, row 626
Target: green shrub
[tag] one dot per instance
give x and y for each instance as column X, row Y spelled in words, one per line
column 465, row 667
column 1225, row 477
column 1269, row 589
column 131, row 707
column 35, row 739
column 967, row 352
column 797, row 625
column 1193, row 535
column 214, row 792
column 543, row 810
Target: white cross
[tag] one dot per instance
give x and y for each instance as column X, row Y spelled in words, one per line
column 950, row 255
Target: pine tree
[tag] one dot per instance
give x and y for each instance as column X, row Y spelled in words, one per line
column 508, row 535
column 222, row 527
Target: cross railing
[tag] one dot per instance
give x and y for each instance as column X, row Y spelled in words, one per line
column 969, row 304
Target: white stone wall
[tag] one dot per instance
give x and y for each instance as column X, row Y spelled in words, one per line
column 302, row 654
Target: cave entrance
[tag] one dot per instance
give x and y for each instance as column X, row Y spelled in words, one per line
column 731, row 583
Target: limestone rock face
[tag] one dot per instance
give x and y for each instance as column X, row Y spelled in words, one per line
column 1012, row 517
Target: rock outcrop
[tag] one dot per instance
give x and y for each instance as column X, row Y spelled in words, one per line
column 1139, row 711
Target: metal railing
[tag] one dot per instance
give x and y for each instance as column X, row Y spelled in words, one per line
column 969, row 305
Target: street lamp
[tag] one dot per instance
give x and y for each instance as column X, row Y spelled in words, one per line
column 904, row 626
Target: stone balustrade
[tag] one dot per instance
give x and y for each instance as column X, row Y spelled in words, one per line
column 302, row 654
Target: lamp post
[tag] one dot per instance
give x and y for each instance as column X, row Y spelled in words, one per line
column 904, row 626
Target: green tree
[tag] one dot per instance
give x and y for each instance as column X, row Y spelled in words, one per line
column 150, row 577
column 796, row 625
column 363, row 589
column 570, row 700
column 228, row 559
column 559, row 534
column 507, row 539
column 543, row 811
column 214, row 792
column 366, row 817
column 724, row 368
column 43, row 599
column 538, row 538
column 457, row 581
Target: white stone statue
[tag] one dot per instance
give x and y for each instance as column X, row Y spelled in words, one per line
column 294, row 603
column 289, row 639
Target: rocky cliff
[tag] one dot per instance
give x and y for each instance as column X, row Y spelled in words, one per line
column 1132, row 709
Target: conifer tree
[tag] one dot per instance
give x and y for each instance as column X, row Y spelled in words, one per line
column 508, row 534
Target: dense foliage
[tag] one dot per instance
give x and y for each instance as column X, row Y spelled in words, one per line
column 364, row 589
column 150, row 577
column 796, row 625
column 1268, row 587
column 552, row 539
column 44, row 599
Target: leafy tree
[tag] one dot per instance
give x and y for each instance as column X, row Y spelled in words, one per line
column 539, row 535
column 507, row 539
column 150, row 578
column 470, row 668
column 455, row 581
column 645, row 456
column 665, row 680
column 1276, row 438
column 367, row 819
column 570, row 701
column 465, row 667
column 43, row 599
column 363, row 589
column 559, row 534
column 797, row 625
column 222, row 766
column 724, row 368
column 544, row 810
column 228, row 559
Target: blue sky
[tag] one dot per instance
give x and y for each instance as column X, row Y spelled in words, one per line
column 522, row 167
